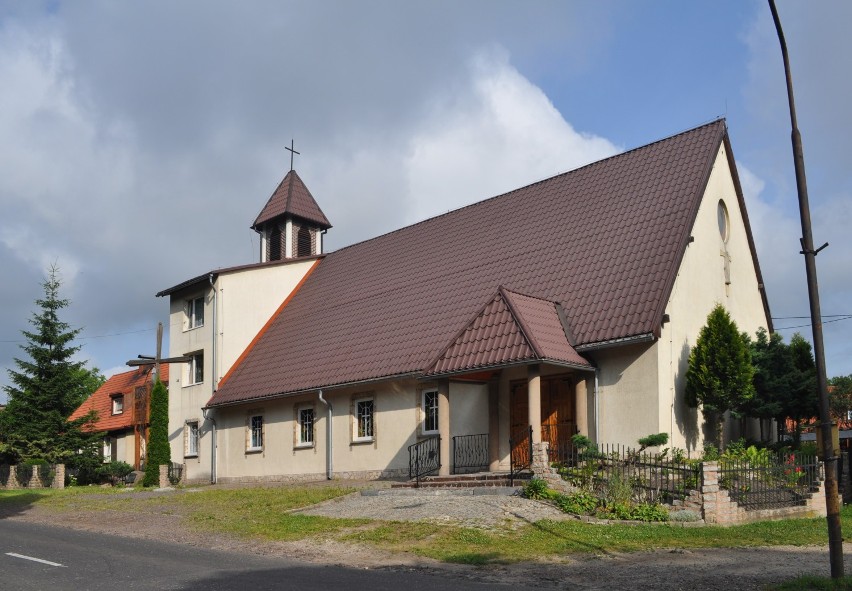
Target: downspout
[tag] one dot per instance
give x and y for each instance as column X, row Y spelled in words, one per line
column 328, row 455
column 209, row 415
column 597, row 406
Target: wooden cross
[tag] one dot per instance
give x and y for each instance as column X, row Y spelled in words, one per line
column 292, row 151
column 157, row 360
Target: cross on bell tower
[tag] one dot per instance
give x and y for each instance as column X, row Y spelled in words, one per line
column 292, row 151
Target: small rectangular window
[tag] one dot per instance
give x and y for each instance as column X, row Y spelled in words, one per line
column 110, row 449
column 191, row 439
column 306, row 426
column 118, row 404
column 430, row 411
column 256, row 433
column 364, row 423
column 195, row 313
column 195, row 369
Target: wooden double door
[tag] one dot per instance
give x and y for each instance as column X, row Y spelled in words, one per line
column 558, row 417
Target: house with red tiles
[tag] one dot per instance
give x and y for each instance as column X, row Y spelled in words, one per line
column 121, row 413
column 566, row 306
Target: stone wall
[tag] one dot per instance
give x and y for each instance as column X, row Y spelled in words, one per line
column 714, row 504
column 35, row 480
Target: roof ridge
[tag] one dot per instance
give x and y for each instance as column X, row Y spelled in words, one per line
column 538, row 182
column 526, row 330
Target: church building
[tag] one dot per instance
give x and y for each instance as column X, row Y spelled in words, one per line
column 566, row 306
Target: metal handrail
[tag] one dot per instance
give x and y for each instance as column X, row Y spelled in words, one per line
column 516, row 465
column 424, row 458
column 470, row 451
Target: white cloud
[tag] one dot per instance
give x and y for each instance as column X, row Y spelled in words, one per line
column 500, row 132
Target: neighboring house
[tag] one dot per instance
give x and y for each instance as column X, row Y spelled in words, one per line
column 121, row 407
column 569, row 305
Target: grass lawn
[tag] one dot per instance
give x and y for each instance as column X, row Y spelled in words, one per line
column 264, row 513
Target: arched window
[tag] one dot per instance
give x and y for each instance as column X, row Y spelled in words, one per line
column 275, row 243
column 303, row 244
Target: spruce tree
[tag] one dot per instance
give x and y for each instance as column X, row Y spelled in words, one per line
column 159, row 452
column 720, row 372
column 48, row 385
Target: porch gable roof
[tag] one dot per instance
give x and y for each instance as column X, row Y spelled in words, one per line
column 510, row 328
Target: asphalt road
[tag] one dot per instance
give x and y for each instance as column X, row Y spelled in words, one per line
column 38, row 557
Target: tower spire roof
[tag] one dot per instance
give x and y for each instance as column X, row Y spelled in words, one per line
column 292, row 198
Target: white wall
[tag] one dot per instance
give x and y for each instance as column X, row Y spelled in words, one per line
column 699, row 286
column 245, row 300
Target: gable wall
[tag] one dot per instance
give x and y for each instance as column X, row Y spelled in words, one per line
column 699, row 286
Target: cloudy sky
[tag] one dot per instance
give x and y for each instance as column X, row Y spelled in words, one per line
column 138, row 141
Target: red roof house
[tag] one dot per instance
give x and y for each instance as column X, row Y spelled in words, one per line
column 121, row 409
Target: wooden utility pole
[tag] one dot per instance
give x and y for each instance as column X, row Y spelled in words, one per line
column 832, row 502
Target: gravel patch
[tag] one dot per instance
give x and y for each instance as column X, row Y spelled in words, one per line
column 470, row 510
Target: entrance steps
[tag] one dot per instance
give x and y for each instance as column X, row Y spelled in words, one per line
column 481, row 480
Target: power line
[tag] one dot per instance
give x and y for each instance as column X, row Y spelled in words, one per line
column 809, row 324
column 808, row 317
column 99, row 336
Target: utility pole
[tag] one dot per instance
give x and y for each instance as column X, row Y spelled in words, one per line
column 835, row 538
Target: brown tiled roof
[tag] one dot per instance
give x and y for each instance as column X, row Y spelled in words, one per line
column 120, row 384
column 511, row 328
column 292, row 197
column 603, row 241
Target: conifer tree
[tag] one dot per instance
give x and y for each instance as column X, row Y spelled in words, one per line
column 720, row 372
column 159, row 452
column 48, row 385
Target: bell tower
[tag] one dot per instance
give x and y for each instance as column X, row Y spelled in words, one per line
column 291, row 224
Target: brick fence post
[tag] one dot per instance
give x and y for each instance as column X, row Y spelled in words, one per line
column 35, row 479
column 13, row 478
column 59, row 478
column 710, row 491
column 164, row 475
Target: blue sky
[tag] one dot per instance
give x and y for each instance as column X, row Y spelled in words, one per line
column 138, row 141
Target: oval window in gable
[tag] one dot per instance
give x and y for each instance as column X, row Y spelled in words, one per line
column 724, row 222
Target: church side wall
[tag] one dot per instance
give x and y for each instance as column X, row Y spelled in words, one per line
column 398, row 416
column 700, row 285
column 627, row 393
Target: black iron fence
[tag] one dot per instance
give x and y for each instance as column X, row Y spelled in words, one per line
column 769, row 480
column 621, row 472
column 520, row 452
column 470, row 453
column 424, row 458
column 5, row 470
column 175, row 473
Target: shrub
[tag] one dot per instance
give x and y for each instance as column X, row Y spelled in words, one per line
column 114, row 472
column 46, row 474
column 536, row 489
column 649, row 512
column 655, row 440
column 577, row 503
column 684, row 515
column 159, row 452
column 23, row 473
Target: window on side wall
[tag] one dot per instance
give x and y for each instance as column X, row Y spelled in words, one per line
column 195, row 369
column 364, row 424
column 430, row 412
column 110, row 449
column 255, row 435
column 195, row 313
column 305, row 426
column 191, row 439
column 118, row 404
